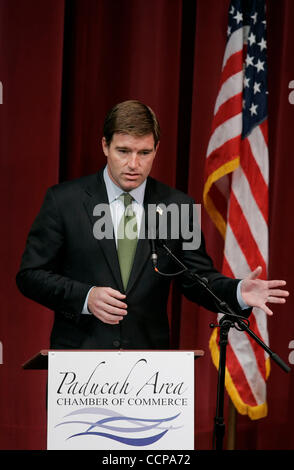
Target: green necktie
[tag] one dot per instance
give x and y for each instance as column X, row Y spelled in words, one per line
column 127, row 238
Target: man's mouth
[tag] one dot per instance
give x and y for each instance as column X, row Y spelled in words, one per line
column 131, row 175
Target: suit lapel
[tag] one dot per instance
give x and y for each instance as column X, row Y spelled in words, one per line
column 96, row 194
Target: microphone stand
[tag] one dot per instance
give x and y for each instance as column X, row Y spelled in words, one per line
column 228, row 321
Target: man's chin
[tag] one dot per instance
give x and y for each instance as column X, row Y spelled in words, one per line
column 128, row 185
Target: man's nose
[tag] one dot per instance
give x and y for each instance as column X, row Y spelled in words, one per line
column 133, row 161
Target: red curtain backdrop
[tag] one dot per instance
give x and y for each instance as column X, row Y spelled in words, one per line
column 63, row 64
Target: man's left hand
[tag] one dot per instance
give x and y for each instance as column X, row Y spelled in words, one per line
column 257, row 293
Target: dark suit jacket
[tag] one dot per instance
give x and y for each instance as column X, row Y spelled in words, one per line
column 63, row 260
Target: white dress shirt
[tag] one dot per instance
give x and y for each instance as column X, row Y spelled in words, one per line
column 117, row 206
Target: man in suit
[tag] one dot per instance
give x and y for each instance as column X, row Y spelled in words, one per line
column 103, row 289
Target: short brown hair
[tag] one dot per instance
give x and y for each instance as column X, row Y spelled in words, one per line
column 131, row 117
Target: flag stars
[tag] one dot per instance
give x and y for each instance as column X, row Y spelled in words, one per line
column 253, row 109
column 253, row 100
column 252, row 38
column 256, row 87
column 246, row 82
column 254, row 17
column 262, row 44
column 249, row 60
column 259, row 65
column 238, row 17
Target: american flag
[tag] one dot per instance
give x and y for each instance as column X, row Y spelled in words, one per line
column 236, row 191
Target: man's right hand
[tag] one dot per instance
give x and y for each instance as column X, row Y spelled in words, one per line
column 107, row 304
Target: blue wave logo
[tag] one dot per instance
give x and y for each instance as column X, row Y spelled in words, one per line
column 115, row 426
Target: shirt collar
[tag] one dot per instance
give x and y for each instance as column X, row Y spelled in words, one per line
column 114, row 191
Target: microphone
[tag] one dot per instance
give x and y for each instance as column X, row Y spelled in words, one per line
column 154, row 256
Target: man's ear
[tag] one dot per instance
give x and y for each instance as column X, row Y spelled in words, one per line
column 104, row 146
column 156, row 148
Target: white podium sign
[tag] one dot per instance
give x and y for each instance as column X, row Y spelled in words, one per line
column 120, row 400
